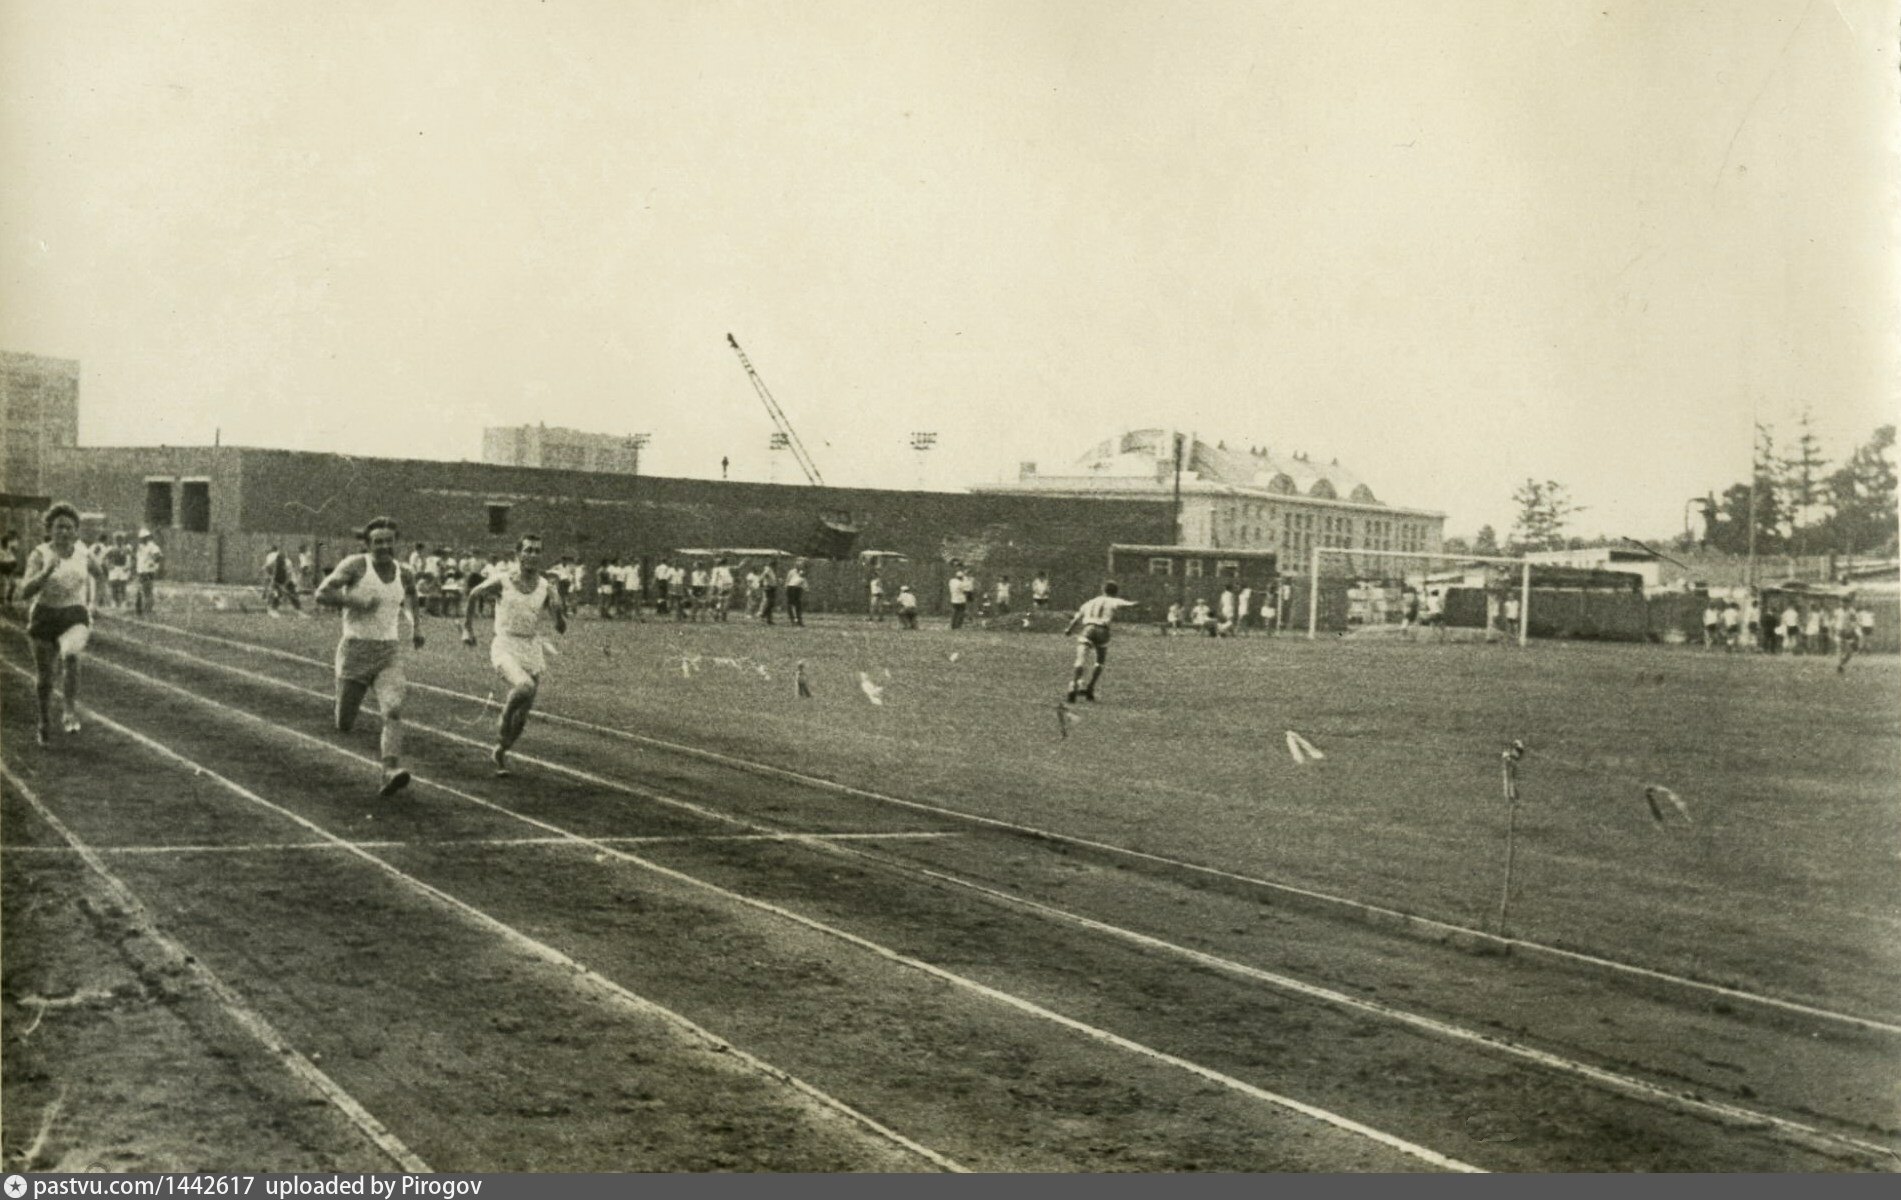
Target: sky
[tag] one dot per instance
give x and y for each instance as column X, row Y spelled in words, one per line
column 1453, row 244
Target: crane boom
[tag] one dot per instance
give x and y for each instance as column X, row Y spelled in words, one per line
column 799, row 453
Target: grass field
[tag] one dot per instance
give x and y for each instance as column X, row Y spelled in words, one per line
column 1787, row 879
column 891, row 888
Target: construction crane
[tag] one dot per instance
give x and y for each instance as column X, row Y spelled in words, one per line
column 784, row 426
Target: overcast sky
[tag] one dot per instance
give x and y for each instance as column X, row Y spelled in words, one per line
column 1453, row 244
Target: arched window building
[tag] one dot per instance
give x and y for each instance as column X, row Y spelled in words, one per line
column 1249, row 499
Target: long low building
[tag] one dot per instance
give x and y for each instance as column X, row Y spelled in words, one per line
column 218, row 508
column 1242, row 500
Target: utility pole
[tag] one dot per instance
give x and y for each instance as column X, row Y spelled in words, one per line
column 1755, row 472
column 1181, row 568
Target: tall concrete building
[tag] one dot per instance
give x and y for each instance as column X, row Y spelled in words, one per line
column 39, row 411
column 560, row 449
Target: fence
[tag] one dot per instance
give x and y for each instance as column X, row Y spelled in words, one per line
column 1585, row 614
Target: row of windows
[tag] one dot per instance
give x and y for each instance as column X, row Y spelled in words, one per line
column 192, row 511
column 1299, row 531
column 1225, row 568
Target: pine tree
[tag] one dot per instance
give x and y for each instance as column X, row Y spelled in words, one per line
column 1862, row 492
column 1803, row 481
column 1543, row 510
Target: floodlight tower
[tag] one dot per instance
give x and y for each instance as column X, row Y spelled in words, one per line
column 921, row 445
column 776, row 446
column 636, row 442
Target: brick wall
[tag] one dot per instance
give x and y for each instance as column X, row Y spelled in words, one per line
column 594, row 516
column 292, row 496
column 112, row 480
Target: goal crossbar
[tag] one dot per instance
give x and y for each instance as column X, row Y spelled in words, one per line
column 1313, row 586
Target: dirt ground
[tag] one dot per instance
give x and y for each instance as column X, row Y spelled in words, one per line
column 623, row 958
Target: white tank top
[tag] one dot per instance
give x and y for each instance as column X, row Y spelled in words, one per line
column 518, row 613
column 379, row 624
column 70, row 584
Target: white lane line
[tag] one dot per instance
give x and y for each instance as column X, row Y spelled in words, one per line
column 245, row 1017
column 1630, row 1085
column 571, row 968
column 1427, row 924
column 1627, row 1084
column 472, row 843
column 1336, row 1120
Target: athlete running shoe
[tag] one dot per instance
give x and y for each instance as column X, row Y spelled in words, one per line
column 1089, row 694
column 394, row 783
column 499, row 757
column 71, row 723
column 1069, row 697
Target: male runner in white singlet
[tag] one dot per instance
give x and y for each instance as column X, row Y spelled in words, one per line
column 522, row 595
column 60, row 579
column 374, row 591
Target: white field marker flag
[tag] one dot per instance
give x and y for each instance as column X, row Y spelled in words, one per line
column 801, row 688
column 1302, row 749
column 1064, row 716
column 1656, row 796
column 1510, row 759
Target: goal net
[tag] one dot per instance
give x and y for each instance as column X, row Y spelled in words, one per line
column 1397, row 592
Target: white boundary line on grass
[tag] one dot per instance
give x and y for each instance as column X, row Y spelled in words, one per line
column 1427, row 923
column 1324, row 1116
column 1630, row 1085
column 571, row 967
column 246, row 1018
column 459, row 843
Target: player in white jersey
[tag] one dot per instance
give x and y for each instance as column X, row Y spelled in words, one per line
column 60, row 580
column 118, row 564
column 149, row 559
column 374, row 591
column 9, row 566
column 522, row 595
column 722, row 584
column 1092, row 645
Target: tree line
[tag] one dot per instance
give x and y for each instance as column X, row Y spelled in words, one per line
column 1802, row 504
column 1796, row 502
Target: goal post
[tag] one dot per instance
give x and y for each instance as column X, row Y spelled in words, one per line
column 1513, row 574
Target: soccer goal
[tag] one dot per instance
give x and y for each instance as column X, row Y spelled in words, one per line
column 1403, row 589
